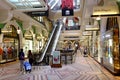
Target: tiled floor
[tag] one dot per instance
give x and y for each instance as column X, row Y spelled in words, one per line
column 84, row 68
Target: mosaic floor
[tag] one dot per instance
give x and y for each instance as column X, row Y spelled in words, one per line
column 84, row 68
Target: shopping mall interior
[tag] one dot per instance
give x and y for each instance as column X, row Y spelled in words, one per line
column 69, row 39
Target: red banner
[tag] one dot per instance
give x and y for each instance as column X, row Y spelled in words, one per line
column 67, row 4
column 67, row 7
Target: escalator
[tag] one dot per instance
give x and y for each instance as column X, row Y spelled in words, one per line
column 50, row 46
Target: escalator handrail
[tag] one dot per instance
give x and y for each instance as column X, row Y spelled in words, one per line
column 43, row 54
column 56, row 38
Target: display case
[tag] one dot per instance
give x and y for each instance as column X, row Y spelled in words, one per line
column 108, row 50
column 111, row 53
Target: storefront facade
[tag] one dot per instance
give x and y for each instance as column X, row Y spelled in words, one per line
column 10, row 42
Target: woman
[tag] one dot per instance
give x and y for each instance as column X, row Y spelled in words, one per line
column 30, row 57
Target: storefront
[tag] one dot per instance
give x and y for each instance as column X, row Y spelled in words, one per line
column 28, row 42
column 111, row 53
column 10, row 43
column 97, row 47
column 90, row 44
column 109, row 36
column 39, row 42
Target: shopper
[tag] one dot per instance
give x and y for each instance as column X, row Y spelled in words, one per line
column 85, row 52
column 30, row 57
column 21, row 59
column 5, row 52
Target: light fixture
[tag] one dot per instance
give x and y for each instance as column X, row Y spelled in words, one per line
column 98, row 18
column 18, row 30
column 33, row 35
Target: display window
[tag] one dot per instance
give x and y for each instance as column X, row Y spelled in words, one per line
column 10, row 41
column 111, row 46
column 27, row 46
column 108, row 45
column 28, row 42
column 108, row 50
column 96, row 48
column 116, row 53
column 10, row 48
column 91, row 46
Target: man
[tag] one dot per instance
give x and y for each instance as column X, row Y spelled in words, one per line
column 21, row 59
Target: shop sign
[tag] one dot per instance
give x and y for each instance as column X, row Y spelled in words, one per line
column 87, row 33
column 28, row 37
column 56, row 57
column 91, row 27
column 105, row 10
column 38, row 13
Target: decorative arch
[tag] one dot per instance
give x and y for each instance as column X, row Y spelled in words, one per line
column 14, row 23
column 28, row 34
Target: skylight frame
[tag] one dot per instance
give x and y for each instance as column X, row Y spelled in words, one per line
column 23, row 4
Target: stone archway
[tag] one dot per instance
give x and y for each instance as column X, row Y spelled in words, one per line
column 13, row 22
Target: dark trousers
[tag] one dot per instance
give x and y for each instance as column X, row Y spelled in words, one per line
column 31, row 61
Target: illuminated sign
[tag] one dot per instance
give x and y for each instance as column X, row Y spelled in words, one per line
column 91, row 27
column 56, row 57
column 105, row 10
column 87, row 33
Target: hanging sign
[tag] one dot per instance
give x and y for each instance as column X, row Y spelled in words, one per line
column 67, row 8
column 38, row 13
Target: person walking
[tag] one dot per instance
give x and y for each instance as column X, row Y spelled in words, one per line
column 85, row 52
column 30, row 57
column 21, row 56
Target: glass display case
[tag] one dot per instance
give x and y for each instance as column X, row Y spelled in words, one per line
column 108, row 50
column 111, row 55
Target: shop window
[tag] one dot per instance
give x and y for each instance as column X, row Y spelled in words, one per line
column 111, row 45
column 10, row 43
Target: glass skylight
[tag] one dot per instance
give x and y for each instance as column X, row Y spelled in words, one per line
column 56, row 4
column 26, row 3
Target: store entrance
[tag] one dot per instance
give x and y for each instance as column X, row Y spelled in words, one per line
column 10, row 44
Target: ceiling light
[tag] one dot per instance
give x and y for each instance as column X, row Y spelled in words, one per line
column 18, row 31
column 98, row 18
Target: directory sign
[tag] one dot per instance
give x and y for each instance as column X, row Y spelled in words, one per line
column 56, row 57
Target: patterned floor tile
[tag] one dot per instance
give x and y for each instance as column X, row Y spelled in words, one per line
column 84, row 68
